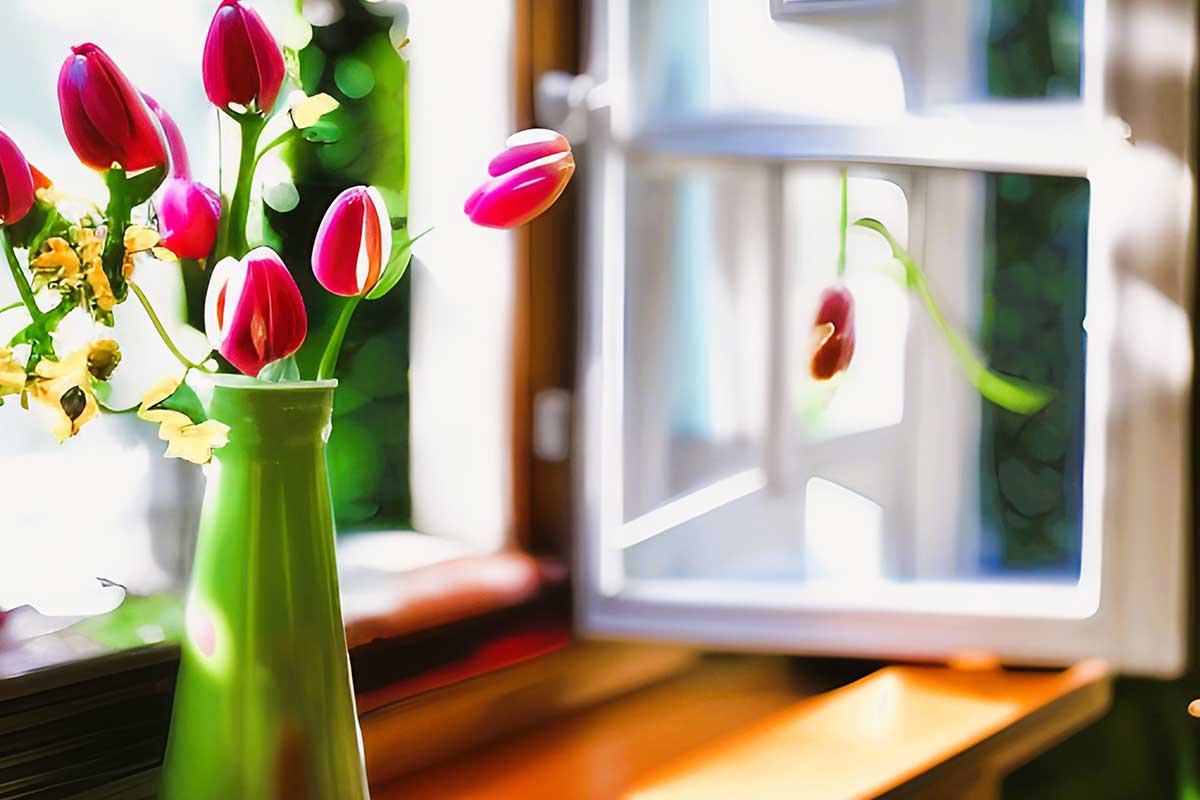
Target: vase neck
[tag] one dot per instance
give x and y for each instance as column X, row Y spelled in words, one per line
column 277, row 416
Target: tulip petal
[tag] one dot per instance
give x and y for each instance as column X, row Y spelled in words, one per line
column 353, row 242
column 224, row 292
column 104, row 117
column 180, row 165
column 229, row 68
column 16, row 182
column 268, row 59
column 526, row 146
column 188, row 217
column 833, row 334
column 261, row 321
column 243, row 63
column 518, row 196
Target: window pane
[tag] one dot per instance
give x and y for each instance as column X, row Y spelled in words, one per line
column 911, row 463
column 1034, row 48
column 696, row 331
column 1032, row 325
column 867, row 62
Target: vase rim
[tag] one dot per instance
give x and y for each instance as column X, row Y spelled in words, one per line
column 232, row 381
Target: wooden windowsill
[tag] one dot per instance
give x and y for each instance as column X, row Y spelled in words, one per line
column 750, row 727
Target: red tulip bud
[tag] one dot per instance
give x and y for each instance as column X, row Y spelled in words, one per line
column 353, row 243
column 16, row 181
column 526, row 179
column 253, row 313
column 242, row 61
column 833, row 334
column 105, row 118
column 188, row 211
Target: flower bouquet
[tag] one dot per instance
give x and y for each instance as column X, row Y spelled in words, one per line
column 263, row 705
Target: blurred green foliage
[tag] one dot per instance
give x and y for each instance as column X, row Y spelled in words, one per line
column 354, row 60
column 1034, row 283
column 1034, row 48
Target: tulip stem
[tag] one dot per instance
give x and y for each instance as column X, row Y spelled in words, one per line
column 23, row 288
column 117, row 213
column 1014, row 394
column 162, row 331
column 12, row 306
column 841, row 265
column 234, row 240
column 332, row 350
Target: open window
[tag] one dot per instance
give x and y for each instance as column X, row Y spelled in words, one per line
column 728, row 499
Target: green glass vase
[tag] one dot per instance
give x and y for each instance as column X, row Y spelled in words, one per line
column 264, row 708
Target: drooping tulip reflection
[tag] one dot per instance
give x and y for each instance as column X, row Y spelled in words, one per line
column 833, row 334
column 253, row 313
column 527, row 178
column 16, row 182
column 243, row 63
column 353, row 242
column 106, row 121
column 188, row 211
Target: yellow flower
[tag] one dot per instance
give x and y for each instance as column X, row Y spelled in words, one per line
column 66, row 386
column 59, row 262
column 139, row 239
column 195, row 443
column 185, row 439
column 308, row 111
column 101, row 288
column 12, row 374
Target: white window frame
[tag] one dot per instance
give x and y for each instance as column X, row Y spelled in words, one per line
column 1136, row 519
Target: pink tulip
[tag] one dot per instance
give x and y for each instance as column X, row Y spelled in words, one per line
column 242, row 61
column 16, row 182
column 527, row 178
column 253, row 313
column 353, row 243
column 188, row 215
column 188, row 211
column 833, row 334
column 105, row 119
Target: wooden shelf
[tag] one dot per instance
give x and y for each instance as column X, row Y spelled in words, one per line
column 751, row 727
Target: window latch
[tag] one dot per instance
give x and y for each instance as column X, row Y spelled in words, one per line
column 562, row 102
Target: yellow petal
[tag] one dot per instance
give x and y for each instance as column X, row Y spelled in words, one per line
column 101, row 288
column 163, row 254
column 59, row 255
column 308, row 111
column 12, row 374
column 139, row 239
column 195, row 443
column 170, row 423
column 158, row 392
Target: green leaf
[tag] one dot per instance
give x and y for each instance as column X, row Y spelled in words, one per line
column 291, row 63
column 1014, row 394
column 284, row 370
column 42, row 222
column 184, row 400
column 397, row 265
column 139, row 188
column 326, row 131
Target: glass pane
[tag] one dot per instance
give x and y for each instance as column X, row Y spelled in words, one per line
column 696, row 331
column 867, row 62
column 1035, row 49
column 1030, row 466
column 948, row 446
